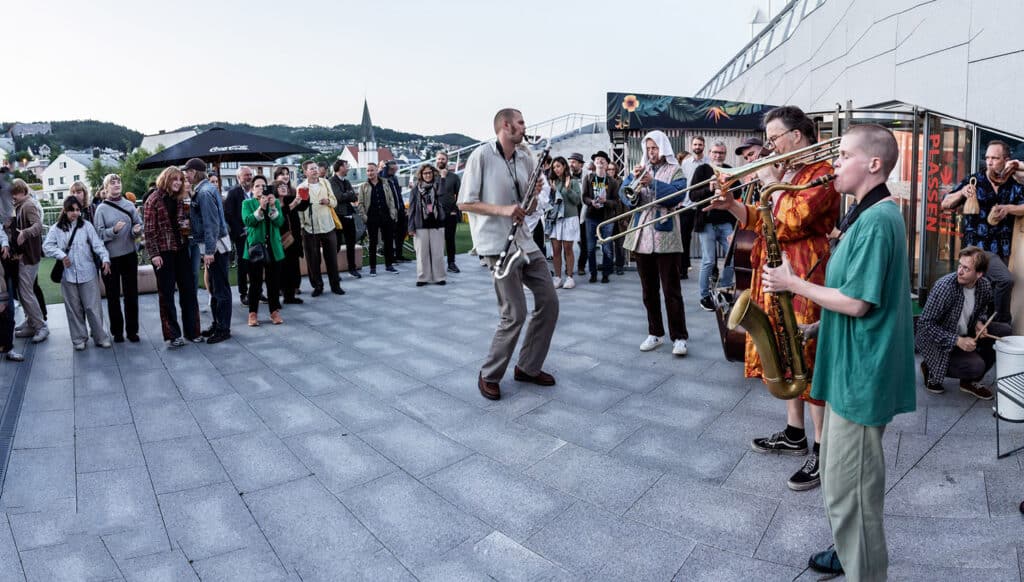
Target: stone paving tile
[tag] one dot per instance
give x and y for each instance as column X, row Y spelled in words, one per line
column 795, row 532
column 436, row 409
column 709, row 563
column 258, row 383
column 182, row 463
column 208, row 521
column 767, row 475
column 908, row 572
column 1003, row 489
column 356, row 409
column 159, row 421
column 36, row 478
column 966, row 452
column 505, row 441
column 386, row 383
column 413, row 446
column 688, row 416
column 162, row 567
column 495, row 557
column 462, row 384
column 951, row 543
column 638, row 381
column 939, row 493
column 101, row 410
column 507, row 500
column 290, row 413
column 667, row 449
column 316, row 535
column 312, row 379
column 38, row 430
column 257, row 460
column 106, row 448
column 10, row 562
column 596, row 431
column 48, row 394
column 82, row 558
column 411, row 520
column 339, row 459
column 112, row 501
column 583, row 393
column 204, row 382
column 94, row 381
column 725, row 519
column 149, row 387
column 721, row 396
column 150, row 538
column 600, row 545
column 48, row 527
column 423, row 367
column 251, row 564
column 225, row 415
column 604, row 481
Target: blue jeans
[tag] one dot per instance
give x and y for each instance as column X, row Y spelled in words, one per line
column 607, row 249
column 221, row 292
column 714, row 238
column 197, row 260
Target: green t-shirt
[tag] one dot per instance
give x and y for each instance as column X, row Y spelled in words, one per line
column 865, row 365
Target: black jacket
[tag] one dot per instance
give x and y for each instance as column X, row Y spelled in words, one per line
column 701, row 174
column 344, row 193
column 233, row 212
column 449, row 191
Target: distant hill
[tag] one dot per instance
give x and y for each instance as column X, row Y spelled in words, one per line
column 81, row 134
column 343, row 132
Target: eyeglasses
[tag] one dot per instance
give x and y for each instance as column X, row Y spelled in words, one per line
column 74, row 209
column 771, row 140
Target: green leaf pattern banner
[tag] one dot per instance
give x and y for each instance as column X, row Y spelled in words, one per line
column 638, row 111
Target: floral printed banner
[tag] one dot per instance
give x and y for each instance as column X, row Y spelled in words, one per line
column 637, row 111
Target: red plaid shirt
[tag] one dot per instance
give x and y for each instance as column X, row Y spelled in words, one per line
column 162, row 234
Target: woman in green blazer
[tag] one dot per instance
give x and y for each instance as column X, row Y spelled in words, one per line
column 262, row 217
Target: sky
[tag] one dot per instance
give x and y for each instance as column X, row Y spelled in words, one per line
column 424, row 67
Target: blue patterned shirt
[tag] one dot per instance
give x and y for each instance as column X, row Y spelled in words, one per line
column 976, row 229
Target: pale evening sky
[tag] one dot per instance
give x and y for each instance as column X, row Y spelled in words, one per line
column 425, row 67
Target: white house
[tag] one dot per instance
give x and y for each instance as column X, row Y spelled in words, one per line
column 150, row 143
column 65, row 170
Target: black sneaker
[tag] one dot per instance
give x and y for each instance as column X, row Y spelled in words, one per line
column 420, row 283
column 707, row 304
column 807, row 477
column 355, row 274
column 338, row 291
column 244, row 300
column 620, row 271
column 392, row 270
column 593, row 278
column 219, row 337
column 292, row 301
column 453, row 268
column 205, row 333
column 604, row 278
column 373, row 272
column 317, row 292
column 779, row 443
column 826, row 562
column 936, row 388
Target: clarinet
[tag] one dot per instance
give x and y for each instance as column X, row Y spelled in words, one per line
column 504, row 262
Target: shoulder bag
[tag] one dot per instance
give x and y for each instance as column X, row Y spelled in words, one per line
column 57, row 272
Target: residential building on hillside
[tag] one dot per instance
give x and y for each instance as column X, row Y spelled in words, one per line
column 151, row 143
column 70, row 166
column 24, row 129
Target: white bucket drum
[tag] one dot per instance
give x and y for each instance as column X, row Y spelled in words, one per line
column 1010, row 361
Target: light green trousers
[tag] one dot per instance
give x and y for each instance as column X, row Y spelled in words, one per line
column 853, row 487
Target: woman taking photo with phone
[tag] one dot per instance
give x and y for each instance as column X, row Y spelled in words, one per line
column 263, row 218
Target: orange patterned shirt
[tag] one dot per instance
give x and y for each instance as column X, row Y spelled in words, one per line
column 803, row 220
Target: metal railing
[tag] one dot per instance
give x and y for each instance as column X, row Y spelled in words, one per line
column 774, row 34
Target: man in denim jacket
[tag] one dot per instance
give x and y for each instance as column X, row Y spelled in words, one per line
column 211, row 229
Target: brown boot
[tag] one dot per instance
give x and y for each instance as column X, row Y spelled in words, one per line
column 253, row 322
column 488, row 390
column 275, row 318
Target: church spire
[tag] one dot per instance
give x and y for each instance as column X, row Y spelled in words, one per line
column 366, row 127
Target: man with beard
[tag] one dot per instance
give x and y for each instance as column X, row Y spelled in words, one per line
column 449, row 190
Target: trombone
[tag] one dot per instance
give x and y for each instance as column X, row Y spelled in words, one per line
column 727, row 177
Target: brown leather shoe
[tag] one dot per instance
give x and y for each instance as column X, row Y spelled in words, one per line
column 541, row 379
column 489, row 390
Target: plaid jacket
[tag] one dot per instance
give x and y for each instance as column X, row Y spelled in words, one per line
column 936, row 334
column 161, row 234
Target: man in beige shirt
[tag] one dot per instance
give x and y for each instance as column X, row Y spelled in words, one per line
column 318, row 229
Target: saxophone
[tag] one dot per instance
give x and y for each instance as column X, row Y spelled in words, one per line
column 780, row 348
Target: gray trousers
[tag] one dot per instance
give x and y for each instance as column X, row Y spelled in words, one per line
column 430, row 264
column 512, row 308
column 853, row 487
column 27, row 295
column 82, row 303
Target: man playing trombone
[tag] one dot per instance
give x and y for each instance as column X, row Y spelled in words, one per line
column 803, row 220
column 493, row 189
column 658, row 246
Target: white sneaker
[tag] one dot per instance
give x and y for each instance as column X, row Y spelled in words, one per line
column 652, row 342
column 41, row 335
column 557, row 281
column 79, row 346
column 569, row 283
column 679, row 347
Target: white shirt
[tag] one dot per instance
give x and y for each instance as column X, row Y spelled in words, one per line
column 965, row 315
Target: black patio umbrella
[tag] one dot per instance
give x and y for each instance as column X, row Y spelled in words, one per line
column 218, row 145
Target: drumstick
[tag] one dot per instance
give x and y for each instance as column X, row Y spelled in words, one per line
column 984, row 327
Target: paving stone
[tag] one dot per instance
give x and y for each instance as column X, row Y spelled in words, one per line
column 503, row 440
column 38, row 430
column 582, row 393
column 37, row 478
column 163, row 567
column 410, row 519
column 508, row 500
column 512, row 406
column 45, row 527
column 170, row 419
column 722, row 396
column 94, row 381
column 313, row 379
column 462, row 384
column 436, row 409
column 82, row 558
column 150, row 538
column 182, row 463
column 101, row 410
column 591, row 541
column 604, row 481
column 208, row 521
column 116, row 500
column 795, row 532
column 10, row 563
column 725, row 519
column 108, row 447
column 497, row 557
column 939, row 493
column 900, row 572
column 384, row 382
column 596, row 431
column 689, row 416
column 709, row 563
column 965, row 452
column 257, row 460
column 666, row 449
column 423, row 366
column 1003, row 491
column 46, row 394
column 413, row 446
column 314, row 533
column 290, row 413
column 255, row 564
column 259, row 383
column 766, row 475
column 339, row 459
column 199, row 382
column 225, row 415
column 951, row 543
column 624, row 378
column 355, row 408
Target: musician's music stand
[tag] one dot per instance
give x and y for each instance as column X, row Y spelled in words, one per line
column 1012, row 387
